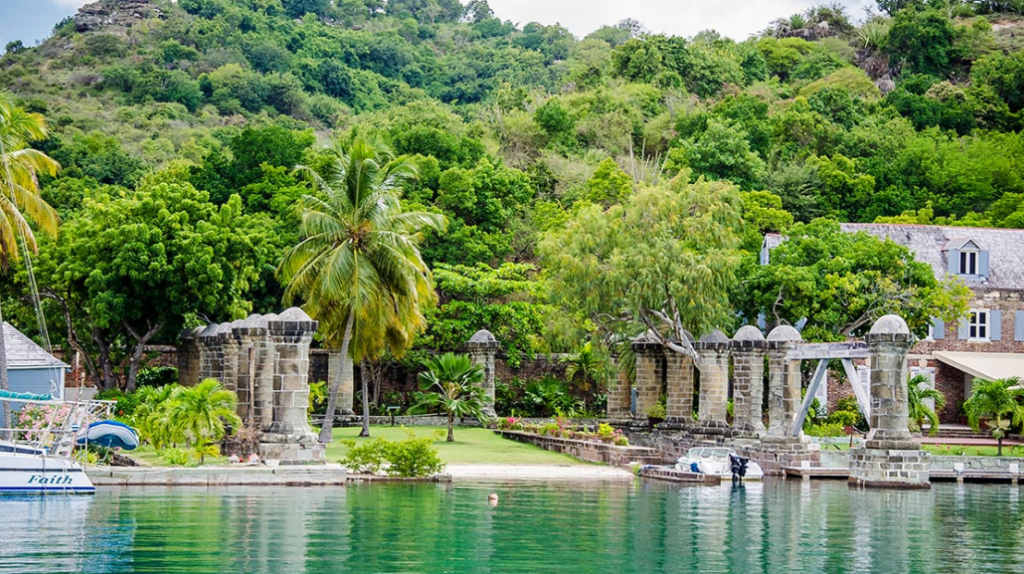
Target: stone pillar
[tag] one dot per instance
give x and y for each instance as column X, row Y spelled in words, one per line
column 782, row 374
column 713, row 349
column 248, row 333
column 649, row 373
column 620, row 395
column 189, row 356
column 679, row 390
column 211, row 359
column 289, row 437
column 483, row 348
column 265, row 364
column 748, row 349
column 347, row 388
column 229, row 345
column 890, row 457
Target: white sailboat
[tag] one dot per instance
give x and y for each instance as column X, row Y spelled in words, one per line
column 41, row 461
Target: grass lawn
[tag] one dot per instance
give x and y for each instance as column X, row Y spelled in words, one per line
column 471, row 446
column 145, row 454
column 958, row 450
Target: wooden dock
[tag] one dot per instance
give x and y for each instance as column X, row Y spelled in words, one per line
column 670, row 474
column 820, row 473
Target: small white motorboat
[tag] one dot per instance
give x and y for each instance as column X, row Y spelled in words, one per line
column 719, row 461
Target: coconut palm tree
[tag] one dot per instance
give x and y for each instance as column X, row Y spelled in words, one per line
column 200, row 412
column 358, row 266
column 451, row 383
column 1002, row 400
column 19, row 196
column 917, row 392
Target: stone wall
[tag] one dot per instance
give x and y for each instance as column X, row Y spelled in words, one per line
column 978, row 463
column 590, row 451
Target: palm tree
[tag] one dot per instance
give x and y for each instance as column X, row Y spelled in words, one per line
column 452, row 384
column 918, row 391
column 358, row 266
column 19, row 196
column 200, row 412
column 1000, row 399
column 589, row 366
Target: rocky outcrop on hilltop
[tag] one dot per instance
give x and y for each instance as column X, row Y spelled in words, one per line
column 114, row 14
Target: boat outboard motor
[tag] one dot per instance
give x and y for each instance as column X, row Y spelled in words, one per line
column 738, row 465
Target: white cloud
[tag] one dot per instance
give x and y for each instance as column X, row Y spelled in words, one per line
column 734, row 18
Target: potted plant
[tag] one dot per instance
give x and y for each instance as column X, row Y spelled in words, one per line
column 655, row 414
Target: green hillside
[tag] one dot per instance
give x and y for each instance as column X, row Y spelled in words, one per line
column 913, row 115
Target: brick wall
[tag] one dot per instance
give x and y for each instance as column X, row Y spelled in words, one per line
column 1006, row 301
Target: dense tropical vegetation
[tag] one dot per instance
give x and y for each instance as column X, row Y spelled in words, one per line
column 561, row 165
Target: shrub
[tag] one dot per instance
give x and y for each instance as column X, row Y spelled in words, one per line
column 157, row 377
column 549, row 429
column 414, row 457
column 367, row 457
column 605, row 432
column 844, row 418
column 827, row 429
column 621, row 440
column 175, row 456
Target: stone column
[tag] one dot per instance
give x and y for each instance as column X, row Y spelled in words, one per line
column 890, row 457
column 347, row 388
column 889, row 342
column 211, row 359
column 483, row 348
column 649, row 374
column 782, row 374
column 620, row 395
column 189, row 356
column 229, row 345
column 266, row 363
column 289, row 437
column 748, row 349
column 248, row 333
column 679, row 389
column 714, row 382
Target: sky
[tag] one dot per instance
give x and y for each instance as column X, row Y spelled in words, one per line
column 33, row 20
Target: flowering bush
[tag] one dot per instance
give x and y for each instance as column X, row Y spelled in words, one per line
column 510, row 423
column 36, row 418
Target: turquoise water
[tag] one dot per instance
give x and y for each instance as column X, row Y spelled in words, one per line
column 784, row 527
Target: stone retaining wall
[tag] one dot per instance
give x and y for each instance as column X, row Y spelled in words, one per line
column 978, row 463
column 589, row 451
column 314, row 475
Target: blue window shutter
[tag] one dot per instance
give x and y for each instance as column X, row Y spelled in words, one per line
column 938, row 329
column 983, row 264
column 954, row 262
column 965, row 330
column 995, row 325
column 1018, row 326
column 800, row 324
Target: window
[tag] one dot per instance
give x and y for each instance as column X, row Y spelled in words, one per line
column 978, row 325
column 969, row 263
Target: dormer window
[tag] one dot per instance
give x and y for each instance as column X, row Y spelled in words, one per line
column 969, row 262
column 967, row 259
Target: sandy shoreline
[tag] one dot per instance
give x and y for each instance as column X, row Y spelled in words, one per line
column 461, row 472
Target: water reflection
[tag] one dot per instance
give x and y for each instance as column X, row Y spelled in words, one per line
column 771, row 527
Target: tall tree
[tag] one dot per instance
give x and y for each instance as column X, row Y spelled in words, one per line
column 358, row 266
column 140, row 262
column 666, row 261
column 842, row 282
column 19, row 196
